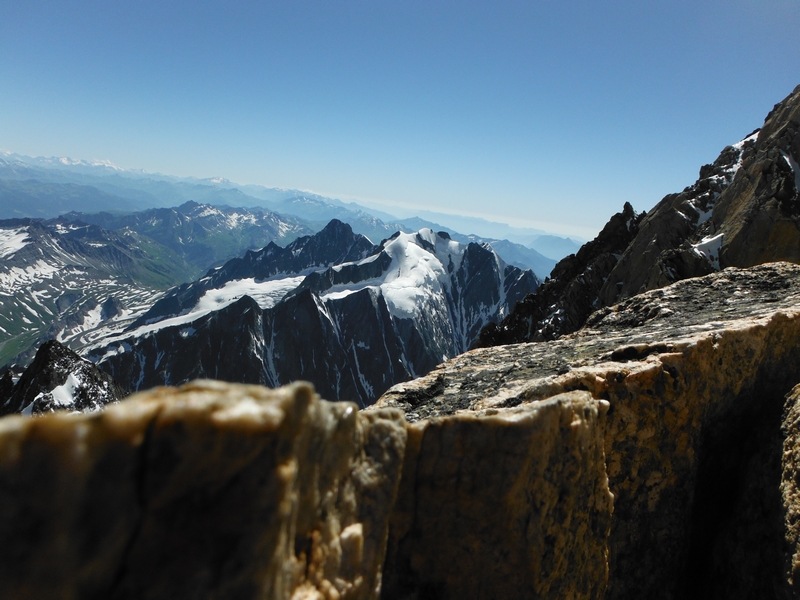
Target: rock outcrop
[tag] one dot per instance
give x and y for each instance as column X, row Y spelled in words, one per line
column 504, row 503
column 217, row 490
column 58, row 380
column 650, row 454
column 695, row 374
column 743, row 210
column 564, row 301
column 206, row 491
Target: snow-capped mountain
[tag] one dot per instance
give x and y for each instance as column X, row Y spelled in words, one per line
column 353, row 329
column 58, row 379
column 263, row 274
column 65, row 277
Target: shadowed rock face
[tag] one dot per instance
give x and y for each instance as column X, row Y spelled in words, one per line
column 508, row 503
column 695, row 374
column 58, row 379
column 564, row 301
column 743, row 210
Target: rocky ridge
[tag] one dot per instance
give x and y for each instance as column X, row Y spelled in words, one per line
column 217, row 490
column 743, row 210
column 651, row 454
column 353, row 329
column 57, row 380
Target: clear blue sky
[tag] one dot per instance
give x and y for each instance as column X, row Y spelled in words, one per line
column 548, row 113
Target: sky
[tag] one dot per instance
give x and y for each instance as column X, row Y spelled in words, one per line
column 547, row 114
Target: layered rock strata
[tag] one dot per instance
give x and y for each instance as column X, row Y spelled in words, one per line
column 695, row 374
column 205, row 491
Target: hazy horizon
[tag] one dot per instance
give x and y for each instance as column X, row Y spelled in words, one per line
column 546, row 115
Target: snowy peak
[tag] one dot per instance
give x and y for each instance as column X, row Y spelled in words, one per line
column 266, row 274
column 59, row 379
column 353, row 328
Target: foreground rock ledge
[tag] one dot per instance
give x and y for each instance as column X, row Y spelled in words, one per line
column 229, row 491
column 695, row 374
column 504, row 503
column 205, row 491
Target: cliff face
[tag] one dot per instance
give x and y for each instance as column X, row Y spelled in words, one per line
column 571, row 293
column 743, row 210
column 695, row 374
column 506, row 503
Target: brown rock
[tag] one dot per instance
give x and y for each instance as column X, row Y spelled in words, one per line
column 508, row 503
column 206, row 491
column 695, row 374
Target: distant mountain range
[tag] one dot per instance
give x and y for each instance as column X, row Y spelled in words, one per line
column 333, row 309
column 49, row 187
column 93, row 253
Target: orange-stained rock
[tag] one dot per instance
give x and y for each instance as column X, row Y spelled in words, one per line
column 210, row 490
column 506, row 503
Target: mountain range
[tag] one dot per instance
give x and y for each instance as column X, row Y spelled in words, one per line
column 50, row 187
column 334, row 309
column 353, row 316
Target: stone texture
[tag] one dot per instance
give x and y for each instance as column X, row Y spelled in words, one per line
column 790, row 489
column 695, row 374
column 206, row 491
column 508, row 503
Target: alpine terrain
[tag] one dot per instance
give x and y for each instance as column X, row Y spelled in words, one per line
column 743, row 210
column 332, row 309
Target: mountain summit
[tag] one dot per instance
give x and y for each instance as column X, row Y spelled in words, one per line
column 386, row 314
column 744, row 210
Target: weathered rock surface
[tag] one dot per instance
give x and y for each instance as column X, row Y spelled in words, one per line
column 217, row 490
column 695, row 374
column 743, row 210
column 206, row 491
column 508, row 503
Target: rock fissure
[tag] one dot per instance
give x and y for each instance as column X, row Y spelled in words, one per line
column 140, row 476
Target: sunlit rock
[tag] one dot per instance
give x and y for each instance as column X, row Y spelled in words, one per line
column 208, row 490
